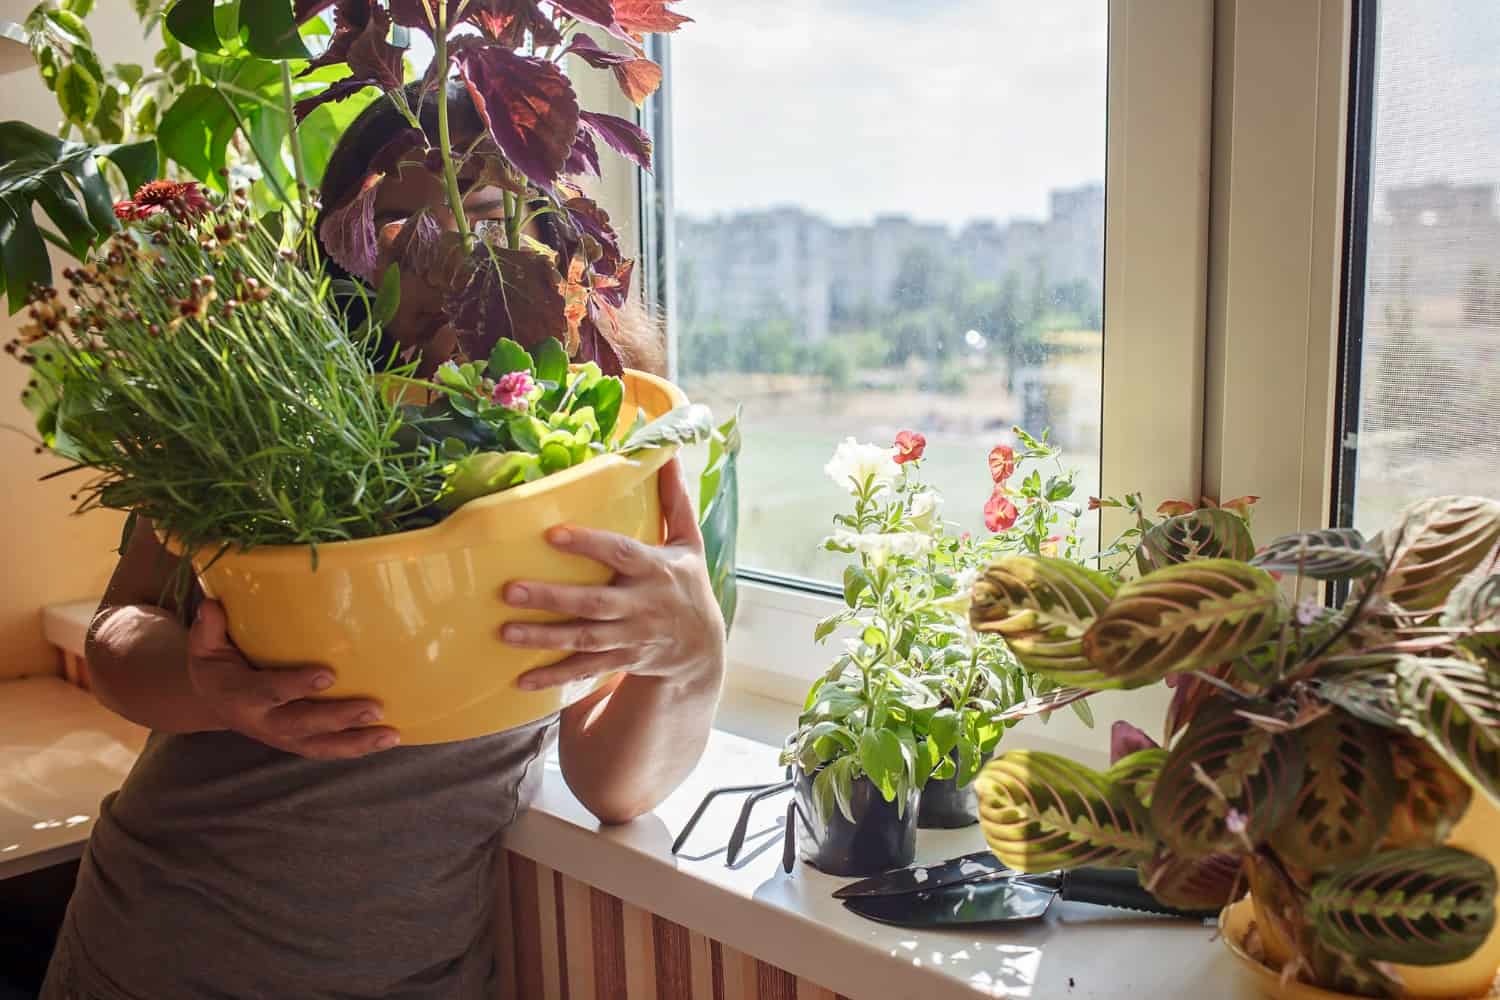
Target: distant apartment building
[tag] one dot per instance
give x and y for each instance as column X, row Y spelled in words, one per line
column 737, row 268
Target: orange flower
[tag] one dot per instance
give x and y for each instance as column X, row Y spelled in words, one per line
column 909, row 447
column 999, row 513
column 1002, row 463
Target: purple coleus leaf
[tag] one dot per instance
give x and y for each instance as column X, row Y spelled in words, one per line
column 638, row 77
column 507, row 293
column 420, row 13
column 596, row 12
column 528, row 106
column 594, row 344
column 508, row 22
column 583, row 158
column 348, row 232
column 623, row 137
column 1125, row 739
column 359, row 39
column 336, row 91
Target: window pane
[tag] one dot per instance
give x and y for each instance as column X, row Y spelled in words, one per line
column 1429, row 398
column 889, row 216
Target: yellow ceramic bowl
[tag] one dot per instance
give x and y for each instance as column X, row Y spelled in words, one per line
column 413, row 619
column 1471, row 979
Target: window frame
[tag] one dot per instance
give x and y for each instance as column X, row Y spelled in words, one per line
column 1194, row 89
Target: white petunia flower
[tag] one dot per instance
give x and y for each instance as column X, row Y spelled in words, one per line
column 924, row 509
column 958, row 602
column 881, row 545
column 854, row 464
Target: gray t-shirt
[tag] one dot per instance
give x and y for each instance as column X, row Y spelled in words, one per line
column 226, row 869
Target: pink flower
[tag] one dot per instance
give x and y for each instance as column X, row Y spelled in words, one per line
column 1002, row 463
column 909, row 447
column 999, row 513
column 513, row 391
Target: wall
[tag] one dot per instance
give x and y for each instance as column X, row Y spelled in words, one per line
column 48, row 554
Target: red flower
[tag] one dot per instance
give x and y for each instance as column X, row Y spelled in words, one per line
column 999, row 513
column 1095, row 503
column 1002, row 463
column 183, row 201
column 909, row 447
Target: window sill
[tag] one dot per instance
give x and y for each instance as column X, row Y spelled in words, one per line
column 792, row 921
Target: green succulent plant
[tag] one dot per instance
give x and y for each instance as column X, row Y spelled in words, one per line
column 1318, row 756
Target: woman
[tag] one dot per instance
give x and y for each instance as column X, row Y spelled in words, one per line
column 271, row 845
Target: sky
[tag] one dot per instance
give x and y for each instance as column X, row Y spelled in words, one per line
column 945, row 110
column 1437, row 92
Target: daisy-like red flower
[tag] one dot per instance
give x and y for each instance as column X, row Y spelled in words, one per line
column 1002, row 463
column 909, row 447
column 999, row 513
column 183, row 201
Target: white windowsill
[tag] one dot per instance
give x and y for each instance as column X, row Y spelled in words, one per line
column 77, row 751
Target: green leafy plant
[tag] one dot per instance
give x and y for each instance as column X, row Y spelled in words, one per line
column 719, row 513
column 917, row 694
column 1319, row 756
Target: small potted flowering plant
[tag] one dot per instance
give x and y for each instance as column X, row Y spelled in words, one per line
column 896, row 730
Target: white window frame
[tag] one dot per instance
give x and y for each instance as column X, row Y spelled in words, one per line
column 1224, row 196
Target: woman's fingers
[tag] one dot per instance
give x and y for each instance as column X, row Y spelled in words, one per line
column 301, row 720
column 625, row 556
column 579, row 667
column 595, row 603
column 581, row 637
column 349, row 743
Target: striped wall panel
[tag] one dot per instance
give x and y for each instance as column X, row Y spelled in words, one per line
column 560, row 939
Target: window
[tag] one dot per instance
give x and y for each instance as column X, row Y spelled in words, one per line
column 1421, row 399
column 888, row 216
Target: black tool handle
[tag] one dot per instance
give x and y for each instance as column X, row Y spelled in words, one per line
column 1119, row 888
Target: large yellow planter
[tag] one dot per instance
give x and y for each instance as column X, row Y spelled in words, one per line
column 1473, row 978
column 414, row 619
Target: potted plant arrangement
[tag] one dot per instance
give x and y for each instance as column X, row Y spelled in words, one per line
column 897, row 729
column 1341, row 763
column 349, row 505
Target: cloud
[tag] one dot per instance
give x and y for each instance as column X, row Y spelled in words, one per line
column 947, row 111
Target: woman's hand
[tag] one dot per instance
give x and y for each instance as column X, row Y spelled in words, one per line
column 276, row 706
column 657, row 619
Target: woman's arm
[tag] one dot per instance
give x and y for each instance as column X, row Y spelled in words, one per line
column 147, row 666
column 628, row 745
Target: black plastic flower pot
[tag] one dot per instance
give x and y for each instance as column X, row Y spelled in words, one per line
column 945, row 806
column 881, row 836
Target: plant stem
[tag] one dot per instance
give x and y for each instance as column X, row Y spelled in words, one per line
column 299, row 165
column 445, row 140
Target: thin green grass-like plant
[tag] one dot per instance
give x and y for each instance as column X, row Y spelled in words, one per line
column 200, row 371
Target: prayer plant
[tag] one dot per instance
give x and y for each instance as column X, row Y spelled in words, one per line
column 1317, row 755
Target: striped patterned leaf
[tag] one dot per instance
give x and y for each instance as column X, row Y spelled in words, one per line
column 1430, row 796
column 1454, row 704
column 1224, row 764
column 1041, row 812
column 1193, row 883
column 1344, row 806
column 1210, row 533
column 1421, row 906
column 1333, row 554
column 1435, row 544
column 1043, row 607
column 1137, row 772
column 1187, row 617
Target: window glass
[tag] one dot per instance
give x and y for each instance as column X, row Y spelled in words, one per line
column 888, row 216
column 1427, row 358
